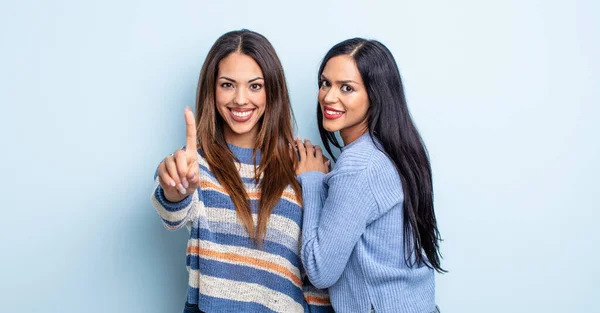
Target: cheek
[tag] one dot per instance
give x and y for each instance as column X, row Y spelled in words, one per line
column 321, row 96
column 354, row 109
column 365, row 105
column 360, row 104
column 222, row 98
column 260, row 99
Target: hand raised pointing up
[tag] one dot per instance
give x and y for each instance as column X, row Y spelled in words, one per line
column 178, row 173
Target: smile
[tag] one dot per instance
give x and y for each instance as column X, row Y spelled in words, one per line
column 332, row 114
column 241, row 115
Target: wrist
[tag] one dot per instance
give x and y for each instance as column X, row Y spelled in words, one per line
column 173, row 197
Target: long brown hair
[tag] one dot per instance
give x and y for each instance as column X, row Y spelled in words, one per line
column 276, row 166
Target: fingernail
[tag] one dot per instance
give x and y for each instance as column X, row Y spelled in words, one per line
column 172, row 183
column 185, row 183
column 181, row 189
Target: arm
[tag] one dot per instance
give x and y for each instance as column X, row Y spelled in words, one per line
column 331, row 228
column 177, row 180
column 173, row 214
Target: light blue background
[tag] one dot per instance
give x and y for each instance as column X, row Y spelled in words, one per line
column 505, row 94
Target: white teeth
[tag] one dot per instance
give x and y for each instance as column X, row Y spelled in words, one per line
column 241, row 114
column 333, row 112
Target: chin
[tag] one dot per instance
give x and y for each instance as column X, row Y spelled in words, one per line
column 241, row 130
column 330, row 128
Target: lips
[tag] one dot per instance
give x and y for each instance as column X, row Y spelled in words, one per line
column 331, row 113
column 241, row 115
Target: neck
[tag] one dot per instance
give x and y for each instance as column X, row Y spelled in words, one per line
column 352, row 133
column 246, row 140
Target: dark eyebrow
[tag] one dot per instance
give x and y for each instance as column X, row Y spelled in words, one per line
column 227, row 78
column 339, row 81
column 233, row 80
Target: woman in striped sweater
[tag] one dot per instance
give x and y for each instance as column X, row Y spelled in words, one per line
column 235, row 187
column 370, row 233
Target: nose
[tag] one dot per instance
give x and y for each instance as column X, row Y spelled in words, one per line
column 330, row 96
column 240, row 97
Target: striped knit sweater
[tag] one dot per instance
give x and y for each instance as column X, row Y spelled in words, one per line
column 227, row 271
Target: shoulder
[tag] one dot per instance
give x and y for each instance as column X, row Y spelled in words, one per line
column 384, row 180
column 380, row 165
column 365, row 154
column 356, row 156
column 366, row 162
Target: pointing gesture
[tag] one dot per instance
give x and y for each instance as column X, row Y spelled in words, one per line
column 178, row 173
column 190, row 135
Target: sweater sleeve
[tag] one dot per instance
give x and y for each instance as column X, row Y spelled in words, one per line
column 333, row 225
column 173, row 214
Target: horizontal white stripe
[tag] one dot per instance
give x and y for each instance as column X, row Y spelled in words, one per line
column 280, row 223
column 193, row 280
column 237, row 229
column 246, row 292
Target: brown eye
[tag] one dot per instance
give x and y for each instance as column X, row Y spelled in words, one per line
column 255, row 86
column 324, row 84
column 226, row 85
column 346, row 88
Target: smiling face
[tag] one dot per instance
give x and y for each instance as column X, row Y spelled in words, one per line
column 343, row 98
column 240, row 98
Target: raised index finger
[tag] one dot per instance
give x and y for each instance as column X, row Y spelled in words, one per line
column 190, row 132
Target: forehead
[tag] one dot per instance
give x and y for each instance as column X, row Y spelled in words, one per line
column 341, row 67
column 238, row 64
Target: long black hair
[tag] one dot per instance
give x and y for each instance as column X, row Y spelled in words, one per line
column 390, row 122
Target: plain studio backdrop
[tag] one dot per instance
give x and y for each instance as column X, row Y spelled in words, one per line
column 92, row 93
